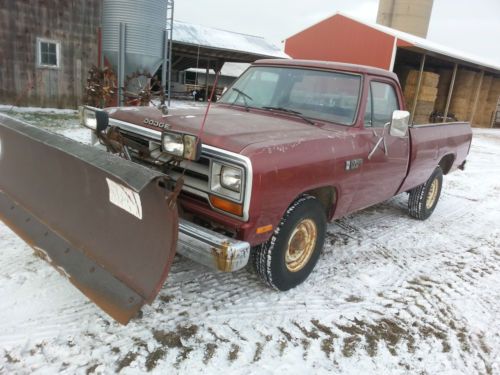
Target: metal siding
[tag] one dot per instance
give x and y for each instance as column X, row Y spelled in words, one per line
column 145, row 21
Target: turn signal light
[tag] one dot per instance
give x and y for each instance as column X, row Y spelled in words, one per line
column 225, row 205
column 264, row 229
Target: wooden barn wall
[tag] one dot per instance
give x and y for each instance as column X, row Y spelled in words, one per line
column 341, row 39
column 73, row 23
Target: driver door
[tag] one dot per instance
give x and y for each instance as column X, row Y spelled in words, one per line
column 384, row 164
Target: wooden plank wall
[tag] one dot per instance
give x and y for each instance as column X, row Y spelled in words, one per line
column 73, row 23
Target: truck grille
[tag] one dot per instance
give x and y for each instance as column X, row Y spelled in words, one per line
column 196, row 174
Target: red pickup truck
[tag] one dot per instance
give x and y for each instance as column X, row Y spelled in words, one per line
column 290, row 145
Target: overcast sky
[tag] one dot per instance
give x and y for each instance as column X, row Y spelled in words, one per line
column 470, row 26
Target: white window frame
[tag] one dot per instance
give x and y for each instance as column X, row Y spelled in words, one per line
column 39, row 42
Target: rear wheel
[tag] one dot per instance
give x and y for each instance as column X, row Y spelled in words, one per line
column 290, row 255
column 424, row 198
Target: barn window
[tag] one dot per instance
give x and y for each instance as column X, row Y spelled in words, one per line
column 48, row 52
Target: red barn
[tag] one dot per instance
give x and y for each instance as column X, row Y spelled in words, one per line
column 436, row 79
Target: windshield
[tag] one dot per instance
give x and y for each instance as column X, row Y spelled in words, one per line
column 316, row 94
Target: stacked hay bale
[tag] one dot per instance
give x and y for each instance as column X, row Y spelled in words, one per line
column 426, row 97
column 479, row 119
column 491, row 103
column 462, row 99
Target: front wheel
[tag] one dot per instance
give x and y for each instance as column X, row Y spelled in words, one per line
column 290, row 255
column 424, row 198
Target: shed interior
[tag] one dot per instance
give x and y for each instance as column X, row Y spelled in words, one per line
column 448, row 90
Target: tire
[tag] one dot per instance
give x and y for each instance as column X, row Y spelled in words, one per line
column 282, row 263
column 424, row 198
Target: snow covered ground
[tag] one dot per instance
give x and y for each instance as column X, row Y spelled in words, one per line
column 390, row 295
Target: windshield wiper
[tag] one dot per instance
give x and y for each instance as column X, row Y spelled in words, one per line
column 291, row 111
column 245, row 96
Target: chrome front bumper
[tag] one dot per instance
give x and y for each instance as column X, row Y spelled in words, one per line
column 211, row 249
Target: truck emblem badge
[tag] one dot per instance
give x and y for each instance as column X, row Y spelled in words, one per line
column 156, row 124
column 353, row 164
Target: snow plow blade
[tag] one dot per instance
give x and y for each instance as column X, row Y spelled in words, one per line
column 102, row 221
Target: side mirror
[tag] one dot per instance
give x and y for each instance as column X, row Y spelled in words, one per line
column 102, row 118
column 399, row 123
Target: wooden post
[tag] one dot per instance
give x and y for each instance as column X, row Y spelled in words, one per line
column 476, row 100
column 417, row 89
column 450, row 92
column 495, row 116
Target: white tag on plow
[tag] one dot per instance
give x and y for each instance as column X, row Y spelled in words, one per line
column 125, row 198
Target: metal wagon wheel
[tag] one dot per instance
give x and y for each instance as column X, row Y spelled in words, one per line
column 141, row 88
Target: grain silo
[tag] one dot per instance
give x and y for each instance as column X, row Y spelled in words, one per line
column 144, row 22
column 406, row 15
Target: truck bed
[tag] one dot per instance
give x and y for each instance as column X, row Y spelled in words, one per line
column 446, row 144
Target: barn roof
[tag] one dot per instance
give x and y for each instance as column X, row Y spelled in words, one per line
column 425, row 45
column 187, row 33
column 196, row 46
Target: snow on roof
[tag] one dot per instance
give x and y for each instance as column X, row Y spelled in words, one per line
column 188, row 33
column 429, row 45
column 229, row 69
column 426, row 44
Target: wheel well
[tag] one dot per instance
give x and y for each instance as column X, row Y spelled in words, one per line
column 446, row 163
column 327, row 196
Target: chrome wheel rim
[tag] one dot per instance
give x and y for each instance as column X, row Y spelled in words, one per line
column 301, row 245
column 432, row 194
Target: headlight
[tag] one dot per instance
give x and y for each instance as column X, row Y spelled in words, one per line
column 87, row 118
column 230, row 178
column 185, row 146
column 173, row 144
column 227, row 180
column 94, row 118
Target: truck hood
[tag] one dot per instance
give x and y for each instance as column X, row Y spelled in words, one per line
column 231, row 129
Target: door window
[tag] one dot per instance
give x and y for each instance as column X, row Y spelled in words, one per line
column 381, row 103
